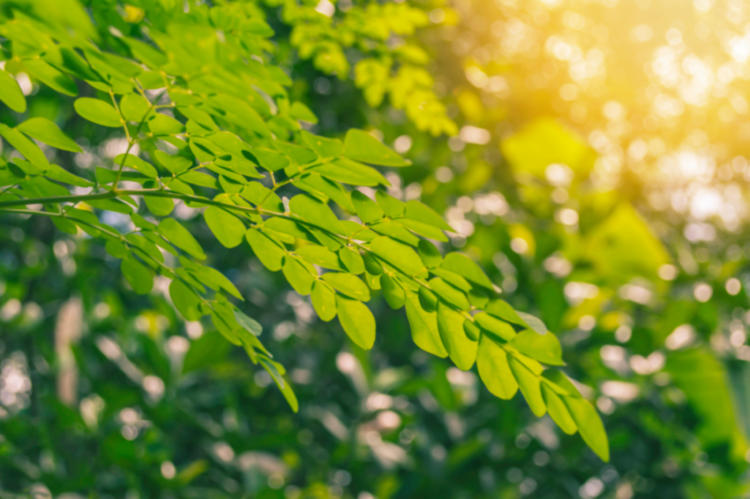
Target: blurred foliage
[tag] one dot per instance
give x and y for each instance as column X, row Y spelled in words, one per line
column 106, row 392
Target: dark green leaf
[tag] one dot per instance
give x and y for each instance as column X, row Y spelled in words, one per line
column 140, row 277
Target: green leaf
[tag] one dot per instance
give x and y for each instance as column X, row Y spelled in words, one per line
column 453, row 279
column 262, row 196
column 429, row 254
column 48, row 132
column 502, row 309
column 494, row 326
column 589, row 425
column 248, row 323
column 284, row 387
column 134, row 107
column 137, row 164
column 393, row 293
column 185, row 300
column 533, row 322
column 178, row 235
column 352, row 260
column 22, row 144
column 466, row 267
column 269, row 252
column 173, row 163
column 348, row 284
column 372, row 265
column 357, row 321
column 140, row 277
column 449, row 294
column 10, row 93
column 397, row 231
column 471, row 330
column 530, row 387
column 427, row 299
column 312, row 210
column 461, row 349
column 493, row 367
column 323, row 301
column 361, row 146
column 298, row 275
column 399, row 256
column 420, row 212
column 161, row 124
column 97, row 111
column 159, row 206
column 366, row 209
column 319, row 255
column 544, row 348
column 423, row 229
column 301, row 112
column 424, row 327
column 558, row 411
column 350, row 172
column 54, row 79
column 214, row 279
column 392, row 207
column 228, row 229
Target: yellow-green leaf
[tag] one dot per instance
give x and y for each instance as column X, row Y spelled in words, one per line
column 492, row 364
column 228, row 229
column 357, row 321
column 178, row 235
column 298, row 275
column 134, row 107
column 348, row 284
column 10, row 93
column 424, row 327
column 589, row 425
column 461, row 349
column 97, row 111
column 48, row 132
column 323, row 300
column 398, row 255
column 558, row 411
column 269, row 252
column 530, row 387
column 361, row 146
column 542, row 347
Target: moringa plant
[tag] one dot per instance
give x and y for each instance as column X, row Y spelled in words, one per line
column 183, row 109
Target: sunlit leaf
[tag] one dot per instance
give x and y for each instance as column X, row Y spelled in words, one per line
column 492, row 364
column 361, row 146
column 10, row 93
column 228, row 229
column 98, row 111
column 357, row 321
column 48, row 132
